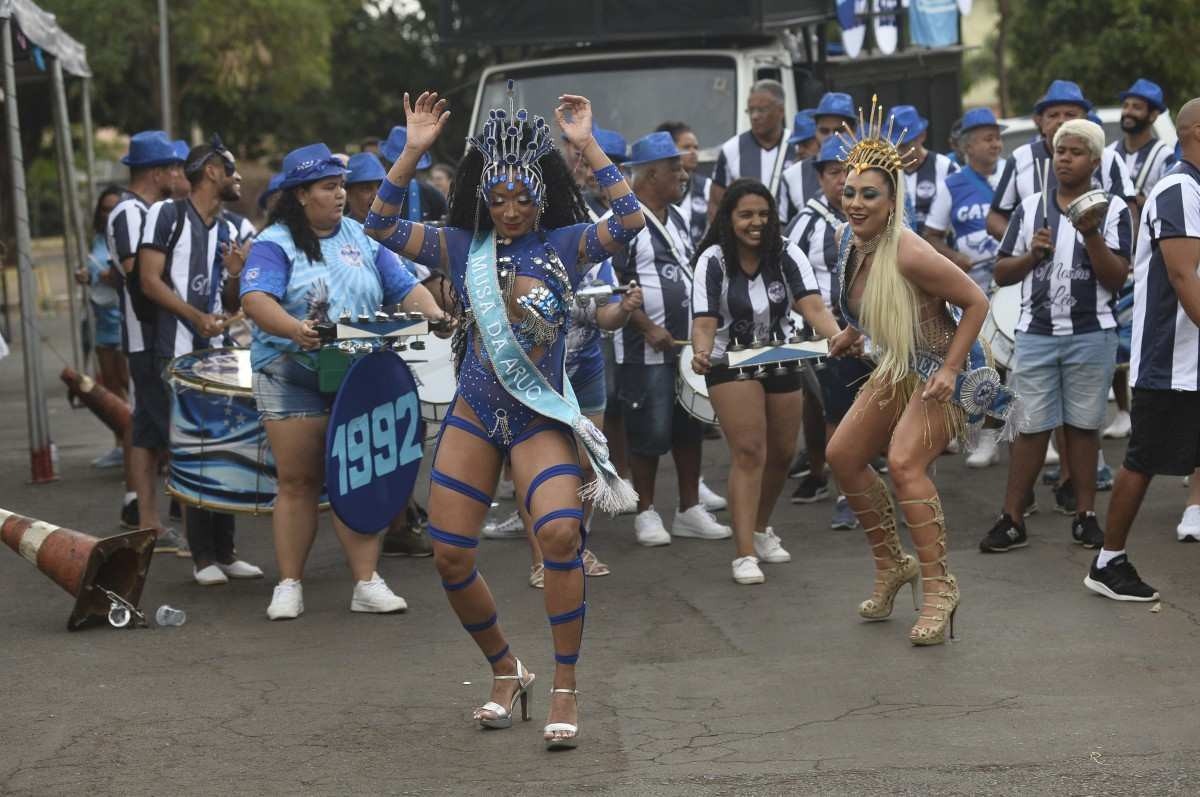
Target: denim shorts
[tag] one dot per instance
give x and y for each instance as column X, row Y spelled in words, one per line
column 108, row 325
column 1064, row 379
column 286, row 389
column 654, row 420
column 592, row 394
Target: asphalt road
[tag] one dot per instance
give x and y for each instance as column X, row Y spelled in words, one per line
column 691, row 684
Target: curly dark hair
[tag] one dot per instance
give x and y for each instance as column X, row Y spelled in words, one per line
column 289, row 212
column 563, row 204
column 98, row 220
column 720, row 232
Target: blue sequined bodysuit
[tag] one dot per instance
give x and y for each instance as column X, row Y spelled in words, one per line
column 552, row 258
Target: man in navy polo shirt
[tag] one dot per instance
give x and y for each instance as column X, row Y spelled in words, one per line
column 1165, row 359
column 925, row 177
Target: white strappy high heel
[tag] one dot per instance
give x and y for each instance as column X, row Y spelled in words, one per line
column 563, row 742
column 502, row 717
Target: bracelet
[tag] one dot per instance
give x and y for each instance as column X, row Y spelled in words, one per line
column 393, row 194
column 377, row 221
column 609, row 176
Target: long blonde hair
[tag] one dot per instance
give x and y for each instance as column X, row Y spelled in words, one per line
column 889, row 312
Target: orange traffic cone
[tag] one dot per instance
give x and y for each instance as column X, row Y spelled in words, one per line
column 105, row 404
column 105, row 575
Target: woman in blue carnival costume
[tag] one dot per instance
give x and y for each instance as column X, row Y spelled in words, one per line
column 515, row 249
column 932, row 382
column 309, row 265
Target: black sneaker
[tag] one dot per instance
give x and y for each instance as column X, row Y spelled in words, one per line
column 1064, row 498
column 1004, row 536
column 1120, row 581
column 880, row 464
column 800, row 466
column 174, row 511
column 1086, row 531
column 811, row 490
column 129, row 516
column 406, row 541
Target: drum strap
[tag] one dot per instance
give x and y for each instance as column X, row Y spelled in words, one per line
column 683, row 262
column 824, row 211
column 780, row 160
column 1143, row 174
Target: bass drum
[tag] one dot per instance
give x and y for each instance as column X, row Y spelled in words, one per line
column 691, row 391
column 433, row 370
column 999, row 329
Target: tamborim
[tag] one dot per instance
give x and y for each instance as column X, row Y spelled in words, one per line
column 999, row 328
column 1091, row 206
column 691, row 391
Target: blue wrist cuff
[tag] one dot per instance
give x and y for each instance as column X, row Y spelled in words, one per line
column 624, row 205
column 393, row 194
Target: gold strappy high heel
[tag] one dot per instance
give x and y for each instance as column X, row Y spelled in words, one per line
column 904, row 568
column 931, row 629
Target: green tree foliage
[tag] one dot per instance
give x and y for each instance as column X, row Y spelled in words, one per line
column 1104, row 45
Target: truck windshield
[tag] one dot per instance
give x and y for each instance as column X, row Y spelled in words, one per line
column 631, row 96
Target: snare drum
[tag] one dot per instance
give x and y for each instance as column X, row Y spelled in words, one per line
column 691, row 391
column 433, row 370
column 999, row 328
column 220, row 457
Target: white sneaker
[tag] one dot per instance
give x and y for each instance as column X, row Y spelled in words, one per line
column 505, row 491
column 239, row 569
column 649, row 530
column 510, row 528
column 699, row 523
column 768, row 549
column 710, row 500
column 376, row 597
column 987, row 453
column 209, row 576
column 1052, row 457
column 287, row 602
column 746, row 571
column 1120, row 426
column 1188, row 529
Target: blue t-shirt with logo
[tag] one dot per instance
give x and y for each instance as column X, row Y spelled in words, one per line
column 356, row 275
column 963, row 212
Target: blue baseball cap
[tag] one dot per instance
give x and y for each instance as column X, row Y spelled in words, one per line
column 1062, row 92
column 836, row 103
column 979, row 117
column 803, row 128
column 1147, row 90
column 152, row 148
column 364, row 167
column 653, row 147
column 394, row 145
column 831, row 150
column 309, row 163
column 611, row 144
column 907, row 124
column 271, row 190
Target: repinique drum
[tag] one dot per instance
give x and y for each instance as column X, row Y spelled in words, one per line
column 1091, row 207
column 220, row 457
column 433, row 370
column 999, row 328
column 691, row 391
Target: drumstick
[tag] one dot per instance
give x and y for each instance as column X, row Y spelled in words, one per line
column 227, row 322
column 1046, row 191
column 681, row 343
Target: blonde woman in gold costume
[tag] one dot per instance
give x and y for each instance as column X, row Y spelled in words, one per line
column 896, row 292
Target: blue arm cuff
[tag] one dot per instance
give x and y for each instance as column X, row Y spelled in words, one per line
column 609, row 176
column 393, row 194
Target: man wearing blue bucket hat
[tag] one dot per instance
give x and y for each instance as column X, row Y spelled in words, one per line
column 659, row 258
column 925, row 176
column 425, row 203
column 694, row 205
column 1146, row 158
column 1024, row 170
column 154, row 168
column 799, row 182
column 803, row 139
column 364, row 173
column 762, row 152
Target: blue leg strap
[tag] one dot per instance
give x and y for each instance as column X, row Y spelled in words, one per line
column 467, row 426
column 495, row 657
column 573, row 564
column 457, row 540
column 466, row 582
column 575, row 614
column 571, row 659
column 555, row 515
column 565, row 469
column 451, row 483
column 475, row 628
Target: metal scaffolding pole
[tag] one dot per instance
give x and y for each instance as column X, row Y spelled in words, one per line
column 35, row 395
column 164, row 66
column 70, row 203
column 89, row 149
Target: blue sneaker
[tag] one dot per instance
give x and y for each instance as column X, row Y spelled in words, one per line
column 843, row 516
column 1104, row 478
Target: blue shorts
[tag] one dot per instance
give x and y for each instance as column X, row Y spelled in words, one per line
column 108, row 325
column 1063, row 379
column 654, row 420
column 592, row 393
column 286, row 389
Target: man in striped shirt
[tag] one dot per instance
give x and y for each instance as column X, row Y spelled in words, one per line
column 1066, row 338
column 762, row 152
column 1145, row 157
column 1165, row 360
column 694, row 205
column 1023, row 172
column 659, row 258
column 925, row 176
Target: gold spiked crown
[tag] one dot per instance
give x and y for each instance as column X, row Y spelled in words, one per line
column 870, row 147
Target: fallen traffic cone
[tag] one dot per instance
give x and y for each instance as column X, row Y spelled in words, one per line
column 105, row 404
column 105, row 575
